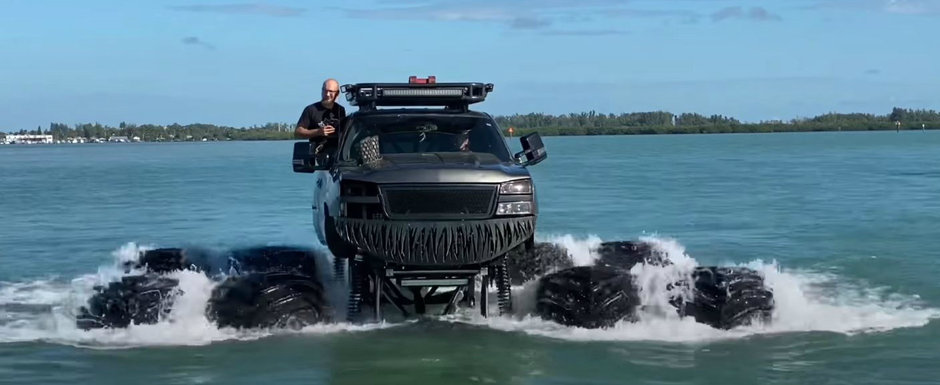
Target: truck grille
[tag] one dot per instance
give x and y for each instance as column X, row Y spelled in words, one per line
column 436, row 243
column 439, row 201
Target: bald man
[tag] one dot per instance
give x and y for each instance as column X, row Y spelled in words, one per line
column 323, row 118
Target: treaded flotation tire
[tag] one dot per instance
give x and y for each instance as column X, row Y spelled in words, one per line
column 626, row 254
column 161, row 261
column 270, row 259
column 587, row 296
column 530, row 261
column 268, row 300
column 140, row 299
column 728, row 297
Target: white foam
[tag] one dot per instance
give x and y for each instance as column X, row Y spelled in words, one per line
column 653, row 282
column 186, row 324
column 43, row 310
column 809, row 301
column 805, row 301
column 581, row 250
column 40, row 292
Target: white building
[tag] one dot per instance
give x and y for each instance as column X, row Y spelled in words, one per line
column 20, row 139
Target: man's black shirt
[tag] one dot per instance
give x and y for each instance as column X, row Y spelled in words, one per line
column 316, row 113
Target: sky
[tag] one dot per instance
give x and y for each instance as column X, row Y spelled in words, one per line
column 243, row 64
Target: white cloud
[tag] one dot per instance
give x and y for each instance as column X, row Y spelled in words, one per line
column 252, row 9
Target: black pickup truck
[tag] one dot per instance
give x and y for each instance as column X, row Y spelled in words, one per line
column 421, row 196
column 421, row 204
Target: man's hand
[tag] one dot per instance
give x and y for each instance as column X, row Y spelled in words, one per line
column 301, row 132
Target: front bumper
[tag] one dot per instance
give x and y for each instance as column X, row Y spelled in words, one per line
column 436, row 243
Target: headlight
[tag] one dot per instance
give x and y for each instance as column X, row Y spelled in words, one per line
column 514, row 208
column 522, row 186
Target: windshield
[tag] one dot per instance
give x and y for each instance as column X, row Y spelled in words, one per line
column 377, row 135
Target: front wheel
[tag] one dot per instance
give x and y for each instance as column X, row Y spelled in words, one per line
column 587, row 296
column 269, row 300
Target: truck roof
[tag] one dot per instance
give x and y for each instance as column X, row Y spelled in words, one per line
column 416, row 92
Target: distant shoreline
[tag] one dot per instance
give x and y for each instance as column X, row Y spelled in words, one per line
column 573, row 124
column 517, row 133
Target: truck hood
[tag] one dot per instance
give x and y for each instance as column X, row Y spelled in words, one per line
column 436, row 168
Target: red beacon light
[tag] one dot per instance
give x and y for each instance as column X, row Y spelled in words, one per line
column 417, row 80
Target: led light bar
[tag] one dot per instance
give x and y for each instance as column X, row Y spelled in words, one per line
column 417, row 92
column 432, row 92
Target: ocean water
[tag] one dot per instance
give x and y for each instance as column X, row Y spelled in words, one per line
column 845, row 227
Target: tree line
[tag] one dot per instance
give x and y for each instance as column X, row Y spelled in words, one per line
column 585, row 123
column 662, row 122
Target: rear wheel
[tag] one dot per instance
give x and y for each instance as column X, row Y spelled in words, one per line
column 268, row 300
column 726, row 297
column 587, row 296
column 142, row 299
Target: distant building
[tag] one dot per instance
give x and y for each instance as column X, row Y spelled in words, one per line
column 27, row 139
column 119, row 139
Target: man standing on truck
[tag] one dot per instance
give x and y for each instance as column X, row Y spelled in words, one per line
column 324, row 118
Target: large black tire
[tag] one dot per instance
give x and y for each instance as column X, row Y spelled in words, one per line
column 626, row 254
column 725, row 297
column 270, row 259
column 600, row 296
column 142, row 299
column 268, row 300
column 532, row 260
column 587, row 296
column 160, row 261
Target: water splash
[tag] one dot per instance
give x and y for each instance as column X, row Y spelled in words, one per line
column 44, row 310
column 805, row 301
column 581, row 250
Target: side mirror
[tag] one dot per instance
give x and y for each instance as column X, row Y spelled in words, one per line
column 306, row 158
column 532, row 149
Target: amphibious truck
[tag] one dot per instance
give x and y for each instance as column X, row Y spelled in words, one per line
column 423, row 207
column 419, row 193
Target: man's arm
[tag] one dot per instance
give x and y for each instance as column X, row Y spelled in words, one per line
column 306, row 133
column 303, row 129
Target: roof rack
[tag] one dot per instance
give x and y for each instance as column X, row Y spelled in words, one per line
column 417, row 92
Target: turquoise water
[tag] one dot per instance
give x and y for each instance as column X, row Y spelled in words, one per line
column 844, row 226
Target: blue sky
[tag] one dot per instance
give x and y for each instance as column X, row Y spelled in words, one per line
column 241, row 64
